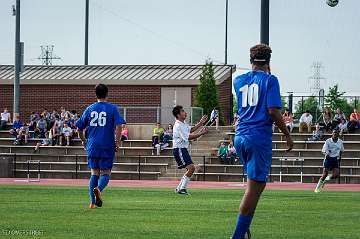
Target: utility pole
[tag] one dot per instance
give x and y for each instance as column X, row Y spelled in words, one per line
column 226, row 30
column 47, row 56
column 86, row 32
column 264, row 22
column 16, row 13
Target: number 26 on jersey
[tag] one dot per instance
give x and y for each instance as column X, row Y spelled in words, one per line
column 98, row 119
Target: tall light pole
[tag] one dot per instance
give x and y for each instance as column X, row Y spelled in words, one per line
column 86, row 32
column 16, row 12
column 226, row 30
column 264, row 24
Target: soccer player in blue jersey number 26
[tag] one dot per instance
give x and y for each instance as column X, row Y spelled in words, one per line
column 98, row 127
column 259, row 106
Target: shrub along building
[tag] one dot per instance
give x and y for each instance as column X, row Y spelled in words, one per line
column 147, row 92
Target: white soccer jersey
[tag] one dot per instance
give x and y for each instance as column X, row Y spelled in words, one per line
column 332, row 149
column 181, row 132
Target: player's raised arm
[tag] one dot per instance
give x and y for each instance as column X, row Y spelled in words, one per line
column 202, row 122
column 196, row 135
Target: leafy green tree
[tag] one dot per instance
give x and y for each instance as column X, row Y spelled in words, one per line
column 311, row 104
column 283, row 103
column 334, row 99
column 235, row 104
column 207, row 96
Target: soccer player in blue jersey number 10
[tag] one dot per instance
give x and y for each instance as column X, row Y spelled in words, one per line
column 98, row 127
column 259, row 105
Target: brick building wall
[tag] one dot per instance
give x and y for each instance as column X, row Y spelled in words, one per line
column 78, row 97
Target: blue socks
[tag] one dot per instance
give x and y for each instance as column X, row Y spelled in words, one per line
column 242, row 226
column 92, row 184
column 103, row 181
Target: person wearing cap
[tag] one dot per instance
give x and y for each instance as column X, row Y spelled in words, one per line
column 333, row 148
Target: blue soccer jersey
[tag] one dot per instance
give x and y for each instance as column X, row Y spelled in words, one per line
column 256, row 92
column 99, row 120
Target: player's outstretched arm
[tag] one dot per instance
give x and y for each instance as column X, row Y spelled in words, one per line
column 275, row 114
column 196, row 135
column 202, row 121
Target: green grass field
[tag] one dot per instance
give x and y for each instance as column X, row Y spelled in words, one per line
column 61, row 212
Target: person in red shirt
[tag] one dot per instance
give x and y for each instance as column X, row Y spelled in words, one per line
column 354, row 121
column 288, row 119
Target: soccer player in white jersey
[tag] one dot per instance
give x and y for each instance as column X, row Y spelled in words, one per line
column 333, row 148
column 182, row 133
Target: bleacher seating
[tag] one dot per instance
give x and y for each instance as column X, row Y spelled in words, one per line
column 137, row 158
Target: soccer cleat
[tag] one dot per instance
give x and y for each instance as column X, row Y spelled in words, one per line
column 92, row 206
column 97, row 193
column 247, row 235
column 183, row 192
column 319, row 186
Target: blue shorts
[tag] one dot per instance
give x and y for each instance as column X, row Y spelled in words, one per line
column 100, row 163
column 256, row 157
column 182, row 157
column 330, row 163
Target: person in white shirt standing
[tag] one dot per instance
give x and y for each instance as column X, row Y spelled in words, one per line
column 332, row 149
column 182, row 133
column 5, row 118
column 305, row 121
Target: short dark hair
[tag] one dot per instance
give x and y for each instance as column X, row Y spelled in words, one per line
column 176, row 110
column 101, row 91
column 260, row 54
column 307, row 111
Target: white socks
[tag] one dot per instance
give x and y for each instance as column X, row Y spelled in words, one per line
column 183, row 183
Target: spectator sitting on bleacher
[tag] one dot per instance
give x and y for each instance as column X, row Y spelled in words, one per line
column 5, row 119
column 354, row 121
column 53, row 115
column 34, row 117
column 232, row 153
column 339, row 115
column 66, row 134
column 317, row 134
column 168, row 135
column 17, row 124
column 305, row 122
column 44, row 142
column 41, row 127
column 223, row 153
column 55, row 133
column 342, row 127
column 23, row 135
column 124, row 133
column 158, row 133
column 288, row 119
column 327, row 119
column 46, row 115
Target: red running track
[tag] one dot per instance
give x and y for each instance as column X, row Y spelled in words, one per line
column 173, row 184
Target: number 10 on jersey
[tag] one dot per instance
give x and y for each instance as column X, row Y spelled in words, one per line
column 250, row 95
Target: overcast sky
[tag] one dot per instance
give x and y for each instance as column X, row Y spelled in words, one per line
column 189, row 31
